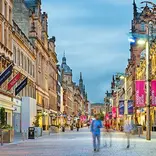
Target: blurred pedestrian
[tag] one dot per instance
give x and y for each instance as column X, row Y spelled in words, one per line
column 78, row 124
column 88, row 123
column 127, row 130
column 108, row 134
column 95, row 129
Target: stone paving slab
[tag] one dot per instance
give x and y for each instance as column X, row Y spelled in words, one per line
column 80, row 144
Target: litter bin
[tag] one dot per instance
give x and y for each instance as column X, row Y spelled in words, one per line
column 31, row 133
column 63, row 129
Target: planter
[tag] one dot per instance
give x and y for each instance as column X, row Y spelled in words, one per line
column 8, row 136
column 38, row 131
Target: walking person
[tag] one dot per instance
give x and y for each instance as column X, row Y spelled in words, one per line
column 88, row 124
column 108, row 134
column 127, row 130
column 78, row 124
column 95, row 129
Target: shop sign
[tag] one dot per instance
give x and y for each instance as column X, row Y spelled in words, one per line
column 107, row 117
column 6, row 74
column 153, row 91
column 110, row 115
column 114, row 112
column 121, row 107
column 21, row 86
column 130, row 107
column 14, row 81
column 140, row 93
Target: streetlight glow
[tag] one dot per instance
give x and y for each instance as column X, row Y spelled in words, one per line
column 131, row 40
column 141, row 42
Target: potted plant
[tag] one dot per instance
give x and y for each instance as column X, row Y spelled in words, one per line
column 36, row 123
column 8, row 131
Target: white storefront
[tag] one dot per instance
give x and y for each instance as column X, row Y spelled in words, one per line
column 7, row 103
column 28, row 112
column 17, row 115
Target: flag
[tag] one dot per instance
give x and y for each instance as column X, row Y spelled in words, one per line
column 14, row 81
column 153, row 91
column 121, row 107
column 130, row 107
column 6, row 74
column 21, row 86
column 140, row 93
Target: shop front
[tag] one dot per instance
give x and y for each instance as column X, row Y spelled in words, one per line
column 17, row 115
column 7, row 103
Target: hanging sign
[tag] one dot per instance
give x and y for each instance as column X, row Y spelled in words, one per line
column 114, row 112
column 153, row 91
column 110, row 115
column 14, row 81
column 6, row 74
column 130, row 107
column 21, row 86
column 140, row 93
column 121, row 107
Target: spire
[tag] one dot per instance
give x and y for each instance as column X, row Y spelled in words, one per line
column 80, row 75
column 134, row 9
column 64, row 58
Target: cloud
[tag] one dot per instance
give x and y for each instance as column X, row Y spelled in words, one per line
column 93, row 34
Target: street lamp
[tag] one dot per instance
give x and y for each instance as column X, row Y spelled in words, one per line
column 143, row 42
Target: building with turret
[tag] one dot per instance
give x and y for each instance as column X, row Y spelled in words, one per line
column 75, row 96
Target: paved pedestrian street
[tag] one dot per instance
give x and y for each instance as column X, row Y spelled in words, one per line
column 79, row 144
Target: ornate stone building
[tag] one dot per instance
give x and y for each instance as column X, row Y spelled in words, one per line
column 6, row 55
column 75, row 97
column 67, row 85
column 33, row 23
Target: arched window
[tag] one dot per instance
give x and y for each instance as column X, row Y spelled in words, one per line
column 142, row 26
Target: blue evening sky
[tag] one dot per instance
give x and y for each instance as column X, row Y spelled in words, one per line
column 93, row 34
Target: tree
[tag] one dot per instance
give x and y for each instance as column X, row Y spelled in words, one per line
column 2, row 117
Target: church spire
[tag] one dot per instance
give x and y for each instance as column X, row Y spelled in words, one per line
column 134, row 9
column 80, row 75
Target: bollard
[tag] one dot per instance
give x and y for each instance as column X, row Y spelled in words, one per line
column 26, row 136
column 23, row 135
column 139, row 131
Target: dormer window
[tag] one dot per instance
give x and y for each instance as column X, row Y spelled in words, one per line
column 142, row 26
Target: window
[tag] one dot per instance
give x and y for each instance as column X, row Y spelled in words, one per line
column 142, row 26
column 1, row 3
column 0, row 32
column 9, row 41
column 5, row 10
column 33, row 71
column 14, row 54
column 28, row 65
column 5, row 37
column 18, row 63
column 10, row 15
column 22, row 59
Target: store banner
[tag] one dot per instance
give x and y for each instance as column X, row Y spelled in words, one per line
column 21, row 86
column 114, row 112
column 110, row 115
column 130, row 107
column 14, row 81
column 6, row 74
column 140, row 93
column 107, row 117
column 121, row 107
column 153, row 91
